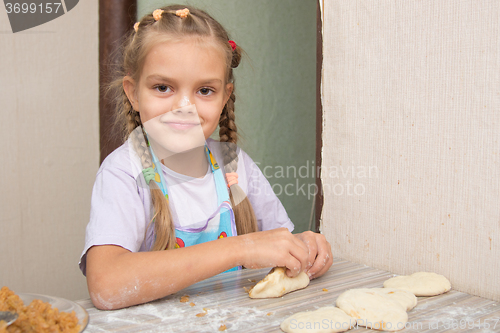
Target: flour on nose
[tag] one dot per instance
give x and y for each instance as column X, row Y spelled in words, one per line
column 184, row 102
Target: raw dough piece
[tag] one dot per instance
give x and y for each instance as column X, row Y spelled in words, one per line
column 328, row 319
column 420, row 284
column 407, row 300
column 277, row 283
column 375, row 310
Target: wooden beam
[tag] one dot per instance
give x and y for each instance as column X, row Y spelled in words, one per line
column 116, row 18
column 319, row 115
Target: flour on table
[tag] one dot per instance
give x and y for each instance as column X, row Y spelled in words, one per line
column 420, row 284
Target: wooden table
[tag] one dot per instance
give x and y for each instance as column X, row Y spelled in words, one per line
column 223, row 301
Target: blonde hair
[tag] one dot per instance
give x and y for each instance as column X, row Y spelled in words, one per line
column 151, row 31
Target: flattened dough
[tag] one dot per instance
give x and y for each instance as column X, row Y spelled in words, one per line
column 277, row 283
column 375, row 310
column 420, row 284
column 328, row 319
column 407, row 300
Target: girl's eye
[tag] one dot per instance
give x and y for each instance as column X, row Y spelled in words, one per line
column 206, row 91
column 162, row 88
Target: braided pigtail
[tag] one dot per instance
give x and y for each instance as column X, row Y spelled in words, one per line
column 244, row 215
column 164, row 229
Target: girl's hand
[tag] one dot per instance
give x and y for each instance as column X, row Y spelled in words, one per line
column 320, row 253
column 274, row 248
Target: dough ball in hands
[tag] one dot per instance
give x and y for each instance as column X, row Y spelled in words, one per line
column 277, row 283
column 375, row 310
column 420, row 284
column 328, row 319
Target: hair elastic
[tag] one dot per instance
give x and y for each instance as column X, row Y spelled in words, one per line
column 232, row 179
column 149, row 174
column 233, row 44
column 182, row 13
column 157, row 14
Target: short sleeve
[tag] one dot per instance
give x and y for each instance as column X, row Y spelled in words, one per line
column 268, row 209
column 120, row 208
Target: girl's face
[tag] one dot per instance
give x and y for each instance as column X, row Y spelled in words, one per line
column 181, row 93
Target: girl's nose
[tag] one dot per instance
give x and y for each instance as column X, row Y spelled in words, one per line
column 181, row 103
column 184, row 108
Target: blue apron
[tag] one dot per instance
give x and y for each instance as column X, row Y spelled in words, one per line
column 226, row 226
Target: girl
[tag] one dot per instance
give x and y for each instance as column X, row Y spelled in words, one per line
column 162, row 217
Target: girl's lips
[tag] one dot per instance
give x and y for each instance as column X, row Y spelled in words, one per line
column 181, row 125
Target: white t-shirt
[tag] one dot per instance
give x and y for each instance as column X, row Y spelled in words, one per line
column 192, row 190
column 121, row 203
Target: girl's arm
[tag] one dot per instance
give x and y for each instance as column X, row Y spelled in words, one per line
column 119, row 278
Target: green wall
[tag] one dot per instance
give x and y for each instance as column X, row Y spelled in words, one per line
column 275, row 90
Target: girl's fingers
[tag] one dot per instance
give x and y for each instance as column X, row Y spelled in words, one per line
column 324, row 259
column 302, row 252
column 266, row 249
column 279, row 247
column 323, row 270
column 293, row 267
column 309, row 239
column 294, row 250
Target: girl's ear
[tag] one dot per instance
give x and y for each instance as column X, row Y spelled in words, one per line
column 229, row 91
column 130, row 90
